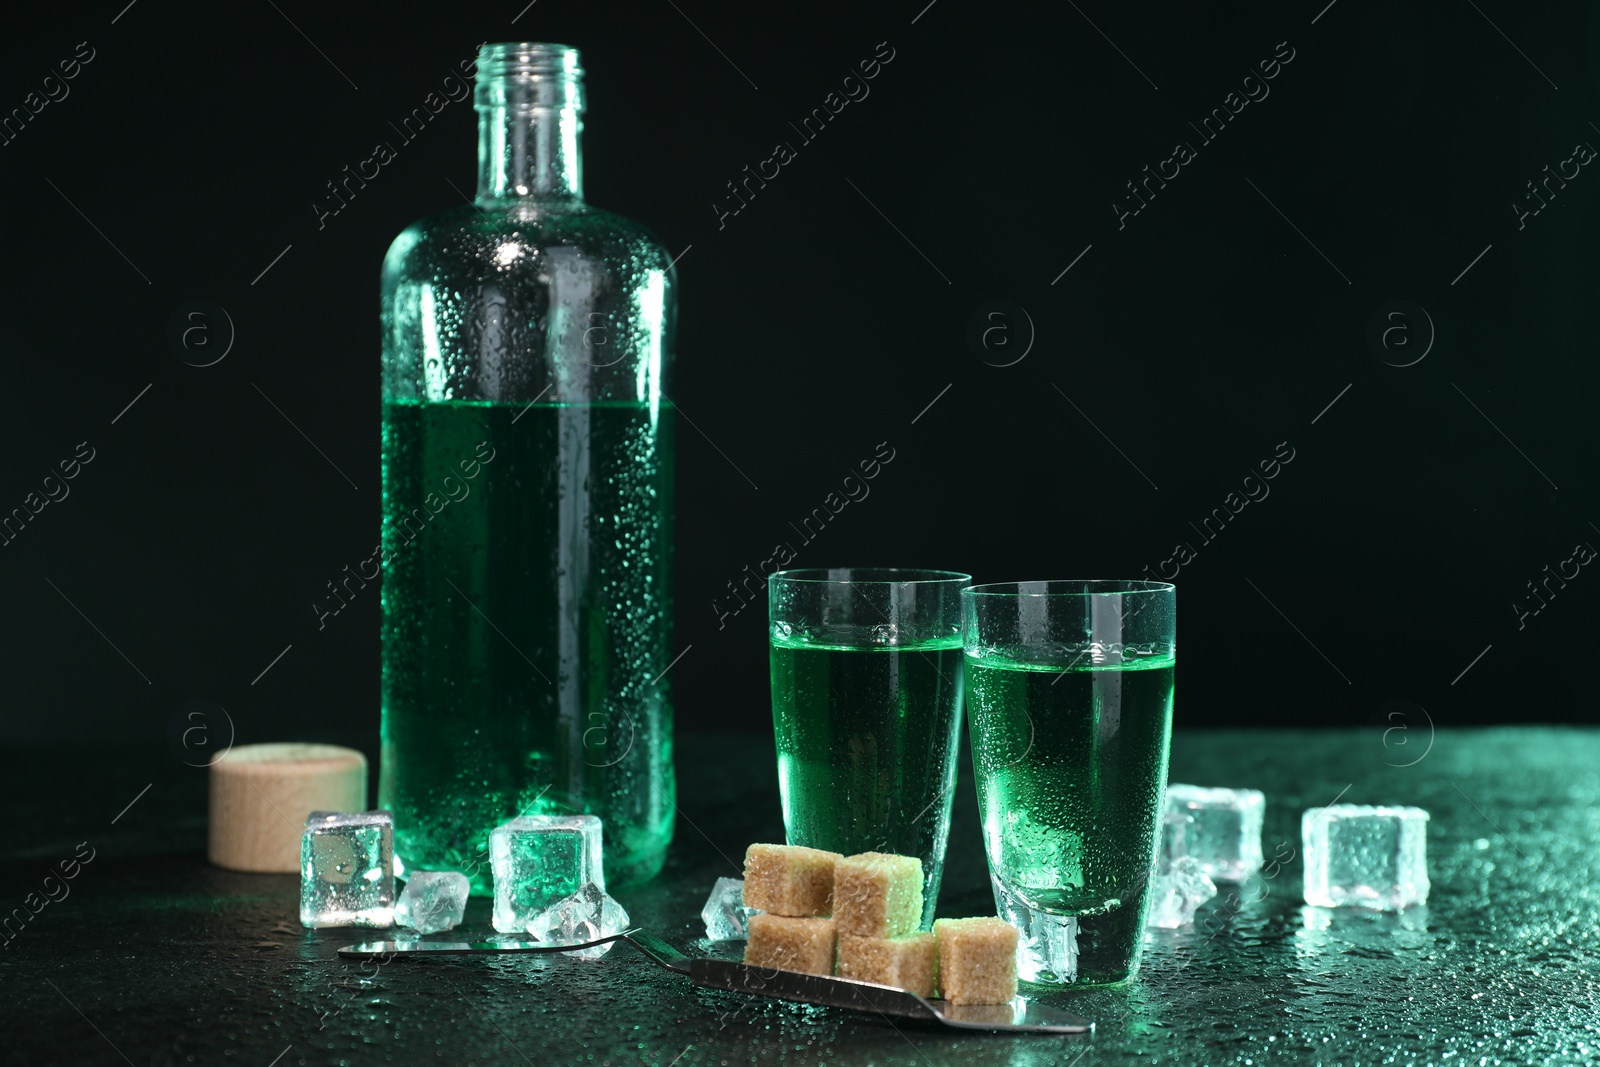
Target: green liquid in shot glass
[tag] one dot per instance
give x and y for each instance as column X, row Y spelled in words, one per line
column 1071, row 767
column 867, row 747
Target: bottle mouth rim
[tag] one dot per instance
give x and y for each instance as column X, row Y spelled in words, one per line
column 525, row 60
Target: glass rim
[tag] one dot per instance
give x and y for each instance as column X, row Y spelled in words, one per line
column 1082, row 587
column 913, row 576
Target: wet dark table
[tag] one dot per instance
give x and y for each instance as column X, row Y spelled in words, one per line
column 149, row 956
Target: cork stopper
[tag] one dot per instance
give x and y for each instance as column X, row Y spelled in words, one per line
column 261, row 795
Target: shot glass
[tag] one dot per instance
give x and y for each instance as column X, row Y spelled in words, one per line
column 866, row 706
column 1069, row 685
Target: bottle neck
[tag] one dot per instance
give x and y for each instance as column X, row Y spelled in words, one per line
column 529, row 153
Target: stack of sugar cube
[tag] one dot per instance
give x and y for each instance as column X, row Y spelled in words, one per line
column 793, row 888
column 820, row 909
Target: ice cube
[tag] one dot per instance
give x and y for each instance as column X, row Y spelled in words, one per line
column 1370, row 857
column 1174, row 839
column 538, row 860
column 1047, row 950
column 1223, row 831
column 584, row 916
column 347, row 869
column 725, row 915
column 1177, row 892
column 432, row 901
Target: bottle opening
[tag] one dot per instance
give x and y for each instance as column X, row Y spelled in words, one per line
column 527, row 74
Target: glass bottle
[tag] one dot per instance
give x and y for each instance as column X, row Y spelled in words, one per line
column 527, row 498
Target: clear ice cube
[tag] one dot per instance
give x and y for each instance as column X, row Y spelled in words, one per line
column 1176, row 893
column 432, row 901
column 584, row 916
column 1369, row 857
column 347, row 869
column 1047, row 950
column 538, row 860
column 1174, row 838
column 725, row 914
column 1223, row 830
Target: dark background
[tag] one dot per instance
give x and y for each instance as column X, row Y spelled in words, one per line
column 824, row 319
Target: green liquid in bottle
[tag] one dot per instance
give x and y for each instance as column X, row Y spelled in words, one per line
column 523, row 624
column 1071, row 768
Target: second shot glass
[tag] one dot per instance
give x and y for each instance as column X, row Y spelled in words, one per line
column 1070, row 685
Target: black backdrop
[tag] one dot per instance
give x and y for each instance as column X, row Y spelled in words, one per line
column 1168, row 352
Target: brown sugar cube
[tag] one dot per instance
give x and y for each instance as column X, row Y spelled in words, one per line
column 789, row 880
column 977, row 960
column 877, row 894
column 910, row 962
column 790, row 944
